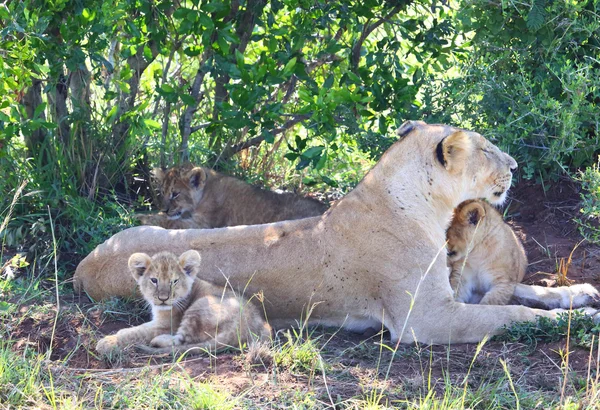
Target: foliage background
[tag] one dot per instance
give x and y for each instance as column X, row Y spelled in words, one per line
column 298, row 94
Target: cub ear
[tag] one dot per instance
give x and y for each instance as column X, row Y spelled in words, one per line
column 189, row 262
column 158, row 174
column 197, row 177
column 473, row 212
column 138, row 264
column 454, row 150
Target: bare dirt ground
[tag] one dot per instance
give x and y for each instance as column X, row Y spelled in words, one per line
column 354, row 365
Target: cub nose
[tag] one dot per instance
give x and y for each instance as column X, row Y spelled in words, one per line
column 163, row 298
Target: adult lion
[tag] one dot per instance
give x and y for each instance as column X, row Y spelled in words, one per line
column 377, row 256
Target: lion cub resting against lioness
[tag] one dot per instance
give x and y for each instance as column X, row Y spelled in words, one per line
column 186, row 312
column 488, row 262
column 199, row 197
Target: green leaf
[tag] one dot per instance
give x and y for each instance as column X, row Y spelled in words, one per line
column 537, row 15
column 111, row 114
column 354, row 78
column 313, row 152
column 167, row 88
column 289, row 67
column 188, row 99
column 239, row 57
column 180, row 13
column 39, row 109
column 328, row 82
column 4, row 306
column 292, row 156
column 269, row 137
column 150, row 123
column 88, row 15
column 148, row 53
column 206, row 21
column 192, row 51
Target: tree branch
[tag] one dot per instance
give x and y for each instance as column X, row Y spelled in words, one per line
column 253, row 142
column 199, row 127
column 185, row 124
column 367, row 30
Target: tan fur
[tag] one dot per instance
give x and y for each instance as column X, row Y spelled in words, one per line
column 187, row 312
column 487, row 263
column 486, row 258
column 378, row 255
column 202, row 198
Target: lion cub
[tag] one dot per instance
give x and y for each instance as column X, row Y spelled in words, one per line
column 488, row 262
column 187, row 312
column 198, row 197
column 486, row 258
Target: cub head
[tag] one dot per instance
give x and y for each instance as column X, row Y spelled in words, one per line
column 181, row 189
column 469, row 219
column 474, row 167
column 164, row 279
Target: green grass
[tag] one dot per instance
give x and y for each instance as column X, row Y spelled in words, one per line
column 311, row 368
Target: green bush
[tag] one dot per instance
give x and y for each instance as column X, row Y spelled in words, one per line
column 590, row 204
column 531, row 81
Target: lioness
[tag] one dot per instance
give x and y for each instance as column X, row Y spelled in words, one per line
column 487, row 263
column 378, row 255
column 186, row 312
column 202, row 198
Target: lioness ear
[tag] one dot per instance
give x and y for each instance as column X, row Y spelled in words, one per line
column 138, row 264
column 197, row 177
column 473, row 212
column 190, row 262
column 407, row 127
column 453, row 151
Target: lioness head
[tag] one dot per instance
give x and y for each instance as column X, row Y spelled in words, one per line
column 164, row 279
column 469, row 218
column 483, row 170
column 181, row 189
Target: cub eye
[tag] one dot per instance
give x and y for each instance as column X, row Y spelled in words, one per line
column 154, row 280
column 175, row 281
column 174, row 195
column 451, row 253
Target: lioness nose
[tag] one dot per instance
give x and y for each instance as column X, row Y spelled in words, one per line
column 512, row 164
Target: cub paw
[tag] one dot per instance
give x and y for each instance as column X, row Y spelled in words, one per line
column 148, row 219
column 166, row 341
column 107, row 344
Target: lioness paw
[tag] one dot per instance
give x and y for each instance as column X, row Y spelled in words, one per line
column 584, row 294
column 107, row 344
column 166, row 341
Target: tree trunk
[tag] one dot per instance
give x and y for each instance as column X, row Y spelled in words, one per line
column 36, row 140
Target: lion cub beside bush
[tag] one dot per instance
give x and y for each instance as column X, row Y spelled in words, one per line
column 199, row 197
column 487, row 263
column 187, row 312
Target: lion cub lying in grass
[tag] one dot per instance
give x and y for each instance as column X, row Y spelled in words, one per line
column 186, row 312
column 199, row 197
column 488, row 262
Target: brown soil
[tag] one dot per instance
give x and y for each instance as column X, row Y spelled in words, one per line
column 356, row 364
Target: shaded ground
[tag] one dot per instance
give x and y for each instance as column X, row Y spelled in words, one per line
column 352, row 364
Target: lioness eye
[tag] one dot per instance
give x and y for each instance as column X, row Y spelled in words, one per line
column 451, row 253
column 174, row 195
column 154, row 280
column 175, row 281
